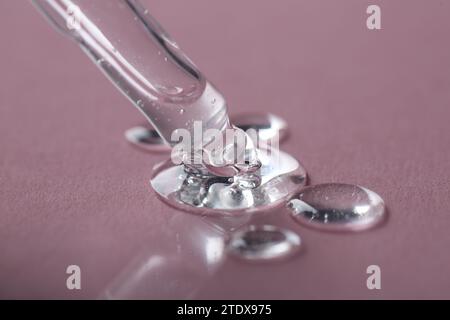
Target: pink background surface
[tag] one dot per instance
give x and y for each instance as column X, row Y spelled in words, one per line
column 365, row 107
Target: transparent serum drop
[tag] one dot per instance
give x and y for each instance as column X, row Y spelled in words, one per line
column 337, row 207
column 263, row 243
column 193, row 189
column 267, row 125
column 146, row 139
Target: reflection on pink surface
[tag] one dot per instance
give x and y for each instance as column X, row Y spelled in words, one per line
column 365, row 107
column 177, row 272
column 178, row 268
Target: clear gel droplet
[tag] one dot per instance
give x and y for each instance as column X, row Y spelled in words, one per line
column 148, row 140
column 337, row 206
column 268, row 126
column 265, row 242
column 280, row 176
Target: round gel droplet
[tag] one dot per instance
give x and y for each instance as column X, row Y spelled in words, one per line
column 146, row 139
column 281, row 177
column 337, row 207
column 265, row 242
column 268, row 126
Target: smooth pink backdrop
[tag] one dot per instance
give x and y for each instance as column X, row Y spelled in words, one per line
column 365, row 107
